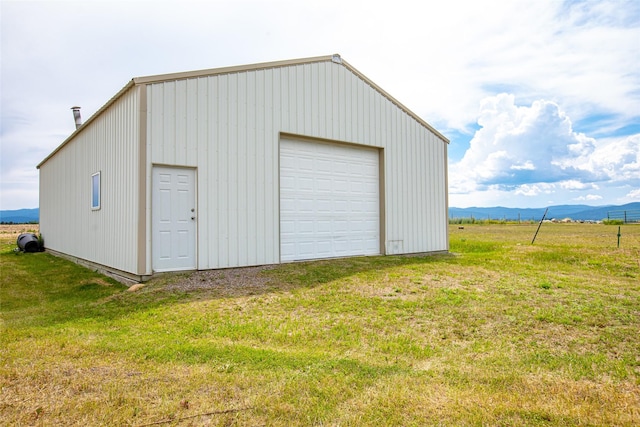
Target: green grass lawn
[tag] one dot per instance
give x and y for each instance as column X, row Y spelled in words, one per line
column 500, row 332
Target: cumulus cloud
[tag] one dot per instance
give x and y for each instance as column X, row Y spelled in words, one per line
column 619, row 159
column 588, row 198
column 519, row 145
column 533, row 150
column 580, row 55
column 534, row 189
column 573, row 184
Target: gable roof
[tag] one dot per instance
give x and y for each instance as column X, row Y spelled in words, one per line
column 336, row 58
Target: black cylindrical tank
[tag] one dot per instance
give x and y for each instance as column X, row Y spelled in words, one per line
column 28, row 242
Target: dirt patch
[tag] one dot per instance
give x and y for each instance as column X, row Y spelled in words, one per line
column 231, row 281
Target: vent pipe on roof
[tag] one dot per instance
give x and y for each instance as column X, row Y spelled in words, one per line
column 76, row 116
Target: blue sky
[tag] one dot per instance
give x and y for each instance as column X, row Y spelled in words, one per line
column 540, row 99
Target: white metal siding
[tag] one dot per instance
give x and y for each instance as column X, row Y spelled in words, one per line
column 109, row 144
column 228, row 127
column 329, row 200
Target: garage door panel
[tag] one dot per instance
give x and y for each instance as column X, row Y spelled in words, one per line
column 306, row 184
column 371, row 190
column 356, row 245
column 341, row 207
column 306, row 249
column 287, row 161
column 305, row 163
column 356, row 206
column 341, row 227
column 324, row 227
column 287, row 227
column 306, row 206
column 356, row 188
column 371, row 245
column 287, row 247
column 305, row 227
column 322, row 248
column 356, row 227
column 371, row 226
column 324, row 206
column 323, row 185
column 324, row 166
column 287, row 183
column 341, row 168
column 329, row 196
column 340, row 185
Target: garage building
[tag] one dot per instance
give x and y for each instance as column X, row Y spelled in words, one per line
column 241, row 166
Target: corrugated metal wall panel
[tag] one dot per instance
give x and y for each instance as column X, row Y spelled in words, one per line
column 109, row 145
column 228, row 126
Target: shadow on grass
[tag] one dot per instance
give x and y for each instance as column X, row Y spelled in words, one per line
column 314, row 273
column 252, row 281
column 43, row 290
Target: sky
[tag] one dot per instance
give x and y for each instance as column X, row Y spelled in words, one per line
column 540, row 99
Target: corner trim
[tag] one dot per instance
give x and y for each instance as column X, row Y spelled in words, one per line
column 142, row 179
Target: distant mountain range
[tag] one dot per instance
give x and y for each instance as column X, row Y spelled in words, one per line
column 20, row 216
column 576, row 212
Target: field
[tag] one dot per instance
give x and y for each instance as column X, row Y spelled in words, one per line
column 499, row 333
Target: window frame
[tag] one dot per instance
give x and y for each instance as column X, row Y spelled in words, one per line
column 96, row 196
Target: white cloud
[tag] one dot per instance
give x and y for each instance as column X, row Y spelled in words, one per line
column 534, row 189
column 634, row 194
column 525, row 166
column 441, row 62
column 533, row 151
column 588, row 198
column 573, row 184
column 619, row 159
column 523, row 145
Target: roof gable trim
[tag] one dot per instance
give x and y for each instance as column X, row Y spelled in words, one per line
column 393, row 100
column 228, row 70
column 335, row 58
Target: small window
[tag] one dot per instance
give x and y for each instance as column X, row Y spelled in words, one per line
column 95, row 191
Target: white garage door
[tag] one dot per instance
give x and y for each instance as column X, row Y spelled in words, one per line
column 329, row 200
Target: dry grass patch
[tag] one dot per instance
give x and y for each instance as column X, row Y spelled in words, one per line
column 500, row 333
column 9, row 230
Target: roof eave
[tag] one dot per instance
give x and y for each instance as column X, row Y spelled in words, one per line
column 113, row 99
column 228, row 70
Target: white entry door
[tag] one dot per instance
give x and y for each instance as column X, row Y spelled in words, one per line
column 173, row 219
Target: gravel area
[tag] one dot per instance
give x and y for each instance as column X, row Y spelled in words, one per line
column 230, row 281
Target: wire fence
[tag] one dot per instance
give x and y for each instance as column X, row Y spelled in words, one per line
column 627, row 217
